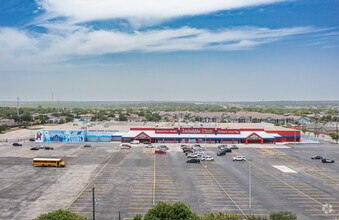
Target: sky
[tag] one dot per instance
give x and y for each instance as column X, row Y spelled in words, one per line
column 169, row 50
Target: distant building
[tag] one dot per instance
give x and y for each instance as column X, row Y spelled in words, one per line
column 53, row 120
column 7, row 122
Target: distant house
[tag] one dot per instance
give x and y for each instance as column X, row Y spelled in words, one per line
column 135, row 119
column 53, row 120
column 7, row 122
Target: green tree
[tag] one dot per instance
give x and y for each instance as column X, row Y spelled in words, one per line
column 304, row 130
column 334, row 136
column 122, row 117
column 227, row 216
column 283, row 215
column 171, row 211
column 69, row 119
column 61, row 121
column 255, row 120
column 27, row 116
column 2, row 128
column 137, row 217
column 60, row 215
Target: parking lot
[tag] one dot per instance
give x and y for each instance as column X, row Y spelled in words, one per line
column 131, row 181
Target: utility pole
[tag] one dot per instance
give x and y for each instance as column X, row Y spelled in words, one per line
column 58, row 106
column 18, row 107
column 93, row 198
column 336, row 128
column 250, row 189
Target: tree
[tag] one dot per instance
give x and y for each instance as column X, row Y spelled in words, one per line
column 334, row 136
column 69, row 119
column 227, row 216
column 255, row 120
column 60, row 215
column 2, row 128
column 168, row 211
column 61, row 121
column 122, row 117
column 304, row 130
column 283, row 215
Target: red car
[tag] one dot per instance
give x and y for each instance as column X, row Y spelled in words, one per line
column 160, row 152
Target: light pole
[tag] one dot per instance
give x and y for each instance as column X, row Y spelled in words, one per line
column 249, row 188
column 93, row 200
column 295, row 141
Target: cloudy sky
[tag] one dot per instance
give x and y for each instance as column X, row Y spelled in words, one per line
column 173, row 50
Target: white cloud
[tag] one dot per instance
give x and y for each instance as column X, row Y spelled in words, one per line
column 139, row 12
column 19, row 47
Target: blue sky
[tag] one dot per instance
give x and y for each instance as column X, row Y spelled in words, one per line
column 131, row 50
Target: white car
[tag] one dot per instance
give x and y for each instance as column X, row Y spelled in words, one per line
column 200, row 153
column 207, row 158
column 125, row 146
column 239, row 158
column 135, row 142
column 149, row 146
column 192, row 156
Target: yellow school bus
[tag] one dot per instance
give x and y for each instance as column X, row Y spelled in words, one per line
column 49, row 162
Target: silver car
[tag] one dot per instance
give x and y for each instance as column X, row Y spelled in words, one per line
column 207, row 157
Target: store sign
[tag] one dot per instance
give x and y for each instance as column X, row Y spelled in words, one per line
column 166, row 131
column 227, row 131
column 101, row 132
column 254, row 137
column 197, row 131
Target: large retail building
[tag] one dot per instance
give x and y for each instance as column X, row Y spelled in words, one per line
column 246, row 135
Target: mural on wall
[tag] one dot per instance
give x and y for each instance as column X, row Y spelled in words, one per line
column 63, row 136
column 38, row 136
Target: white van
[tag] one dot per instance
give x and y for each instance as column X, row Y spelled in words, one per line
column 135, row 142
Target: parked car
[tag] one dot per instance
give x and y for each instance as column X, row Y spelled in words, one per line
column 197, row 145
column 147, row 142
column 162, row 147
column 222, row 146
column 34, row 148
column 327, row 161
column 135, row 142
column 149, row 146
column 234, row 147
column 184, row 146
column 31, row 139
column 221, row 153
column 239, row 158
column 160, row 152
column 48, row 148
column 39, row 147
column 207, row 157
column 317, row 157
column 125, row 146
column 87, row 145
column 17, row 144
column 200, row 154
column 193, row 160
column 188, row 152
column 192, row 156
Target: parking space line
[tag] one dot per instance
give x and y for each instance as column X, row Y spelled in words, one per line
column 284, row 182
column 224, row 191
column 92, row 180
column 154, row 169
